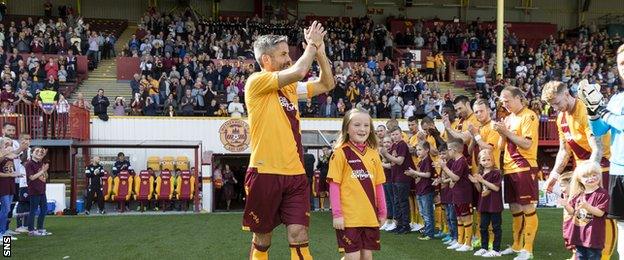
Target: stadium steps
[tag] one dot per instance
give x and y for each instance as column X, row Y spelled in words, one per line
column 125, row 38
column 104, row 77
column 446, row 86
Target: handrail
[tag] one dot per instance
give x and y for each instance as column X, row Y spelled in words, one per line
column 32, row 119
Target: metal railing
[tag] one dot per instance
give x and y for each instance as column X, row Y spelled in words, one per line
column 31, row 119
column 463, row 65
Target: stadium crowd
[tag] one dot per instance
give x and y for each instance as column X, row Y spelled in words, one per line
column 179, row 54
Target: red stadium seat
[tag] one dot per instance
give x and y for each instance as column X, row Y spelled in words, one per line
column 143, row 188
column 123, row 189
column 164, row 188
column 107, row 186
column 185, row 188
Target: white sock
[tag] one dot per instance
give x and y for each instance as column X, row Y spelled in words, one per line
column 620, row 242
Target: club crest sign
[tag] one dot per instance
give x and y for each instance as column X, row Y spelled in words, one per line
column 234, row 135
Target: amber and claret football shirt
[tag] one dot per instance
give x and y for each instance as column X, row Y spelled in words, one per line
column 357, row 208
column 574, row 130
column 274, row 124
column 524, row 124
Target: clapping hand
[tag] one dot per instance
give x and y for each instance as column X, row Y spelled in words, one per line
column 446, row 121
column 500, row 127
column 582, row 203
column 314, row 34
column 473, row 179
column 473, row 130
column 45, row 167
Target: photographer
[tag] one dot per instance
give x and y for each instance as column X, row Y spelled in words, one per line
column 94, row 173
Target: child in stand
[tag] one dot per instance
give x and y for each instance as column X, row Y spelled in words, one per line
column 461, row 188
column 424, row 188
column 564, row 185
column 355, row 179
column 488, row 183
column 587, row 202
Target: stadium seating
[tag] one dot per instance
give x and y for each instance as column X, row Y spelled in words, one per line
column 122, row 188
column 168, row 163
column 107, row 186
column 164, row 188
column 143, row 188
column 185, row 188
column 153, row 162
column 182, row 163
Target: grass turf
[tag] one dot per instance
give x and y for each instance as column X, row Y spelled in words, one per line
column 218, row 236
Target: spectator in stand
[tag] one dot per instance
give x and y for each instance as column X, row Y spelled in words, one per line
column 119, row 109
column 81, row 102
column 52, row 84
column 100, row 105
column 62, row 112
column 235, row 108
column 52, row 68
column 328, row 109
column 187, row 104
column 222, row 110
column 309, row 109
column 136, row 107
column 150, row 107
column 135, row 86
column 409, row 109
column 170, row 102
column 212, row 108
column 62, row 75
column 429, row 66
column 440, row 67
column 48, row 101
column 396, row 105
column 480, row 79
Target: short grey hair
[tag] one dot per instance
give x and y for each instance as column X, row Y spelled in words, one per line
column 265, row 44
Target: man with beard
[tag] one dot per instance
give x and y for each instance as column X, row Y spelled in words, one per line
column 276, row 184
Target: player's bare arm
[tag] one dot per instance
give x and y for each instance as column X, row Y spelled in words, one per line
column 314, row 38
column 509, row 136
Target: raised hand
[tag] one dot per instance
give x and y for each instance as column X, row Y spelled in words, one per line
column 446, row 121
column 45, row 167
column 582, row 203
column 314, row 34
column 473, row 130
column 472, row 178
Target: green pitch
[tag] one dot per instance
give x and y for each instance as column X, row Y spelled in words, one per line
column 218, row 236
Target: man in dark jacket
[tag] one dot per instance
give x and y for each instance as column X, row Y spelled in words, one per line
column 100, row 105
column 121, row 165
column 94, row 172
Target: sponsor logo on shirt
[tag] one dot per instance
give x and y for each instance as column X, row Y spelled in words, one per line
column 284, row 102
column 360, row 174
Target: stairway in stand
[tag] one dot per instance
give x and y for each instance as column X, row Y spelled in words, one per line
column 104, row 77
